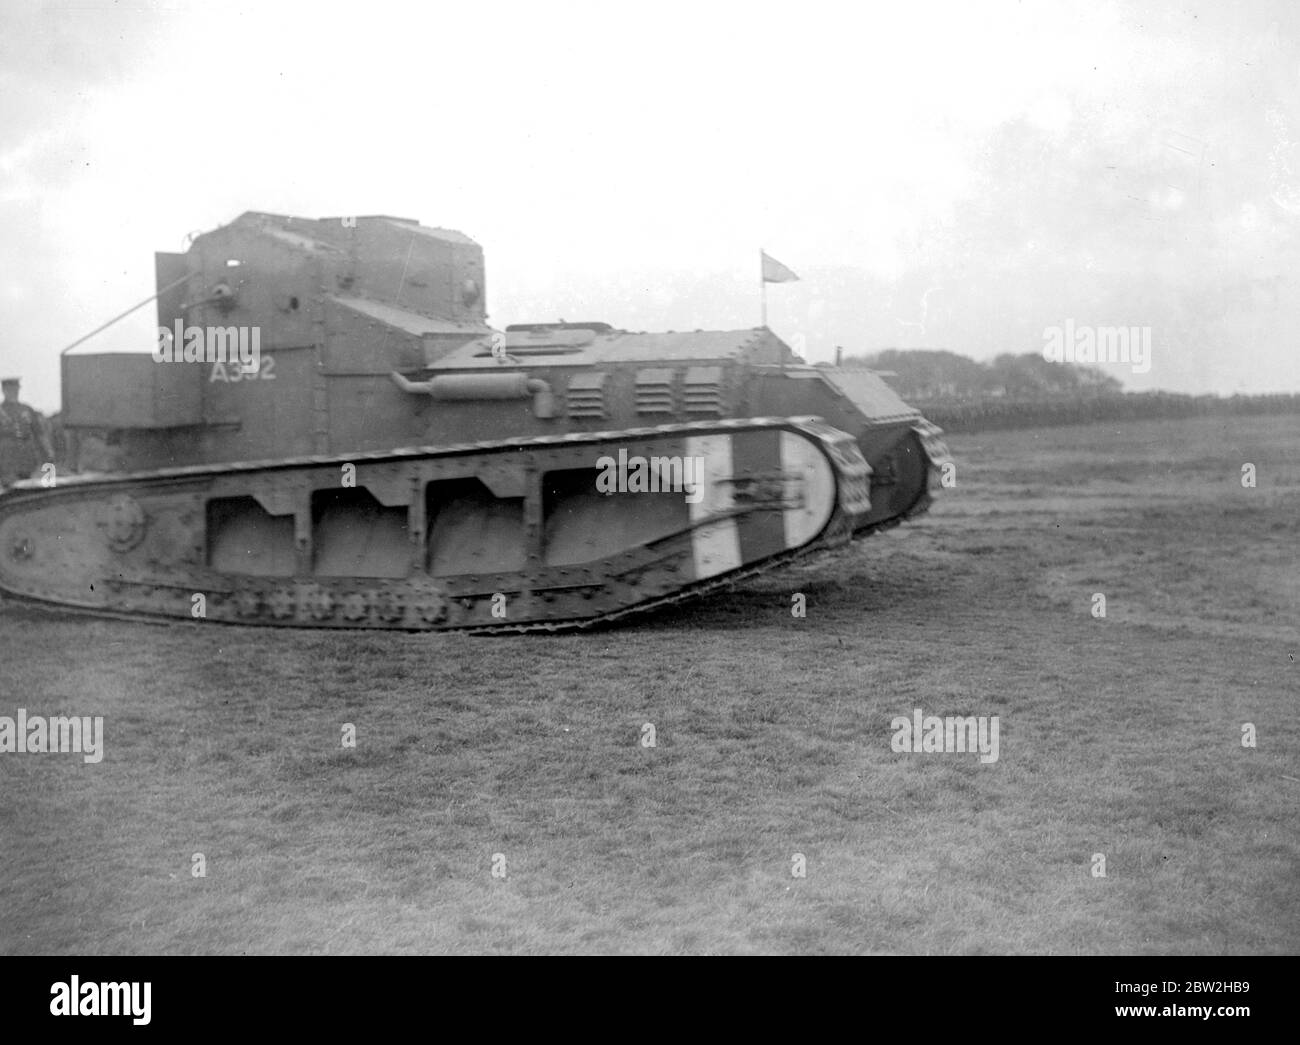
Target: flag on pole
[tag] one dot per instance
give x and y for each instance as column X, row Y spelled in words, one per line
column 774, row 271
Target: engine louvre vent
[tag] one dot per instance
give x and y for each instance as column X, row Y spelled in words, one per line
column 585, row 396
column 654, row 392
column 702, row 392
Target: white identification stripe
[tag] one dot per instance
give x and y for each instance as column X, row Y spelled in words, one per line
column 716, row 546
column 799, row 456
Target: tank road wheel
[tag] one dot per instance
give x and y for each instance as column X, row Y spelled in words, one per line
column 355, row 605
column 318, row 601
column 389, row 606
column 248, row 603
column 430, row 607
column 281, row 603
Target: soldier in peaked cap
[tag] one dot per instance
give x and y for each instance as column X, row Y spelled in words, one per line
column 24, row 441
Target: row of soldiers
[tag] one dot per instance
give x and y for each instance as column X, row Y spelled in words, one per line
column 24, row 437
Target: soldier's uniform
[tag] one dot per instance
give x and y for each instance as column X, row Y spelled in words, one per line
column 24, row 446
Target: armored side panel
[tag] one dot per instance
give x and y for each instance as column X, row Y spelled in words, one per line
column 129, row 391
column 487, row 536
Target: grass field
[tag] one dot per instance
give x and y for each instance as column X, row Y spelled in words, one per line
column 1119, row 736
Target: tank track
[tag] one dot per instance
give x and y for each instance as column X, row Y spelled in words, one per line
column 937, row 459
column 937, row 456
column 686, row 595
column 850, row 470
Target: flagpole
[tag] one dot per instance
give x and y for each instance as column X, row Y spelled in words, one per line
column 762, row 286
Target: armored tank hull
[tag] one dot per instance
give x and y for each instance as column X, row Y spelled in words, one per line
column 485, row 536
column 328, row 434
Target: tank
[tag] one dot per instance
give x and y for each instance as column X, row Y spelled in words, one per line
column 328, row 433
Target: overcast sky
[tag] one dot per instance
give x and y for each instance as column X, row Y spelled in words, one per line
column 947, row 175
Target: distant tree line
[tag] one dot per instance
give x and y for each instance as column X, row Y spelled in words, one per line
column 1027, row 391
column 990, row 414
column 936, row 374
